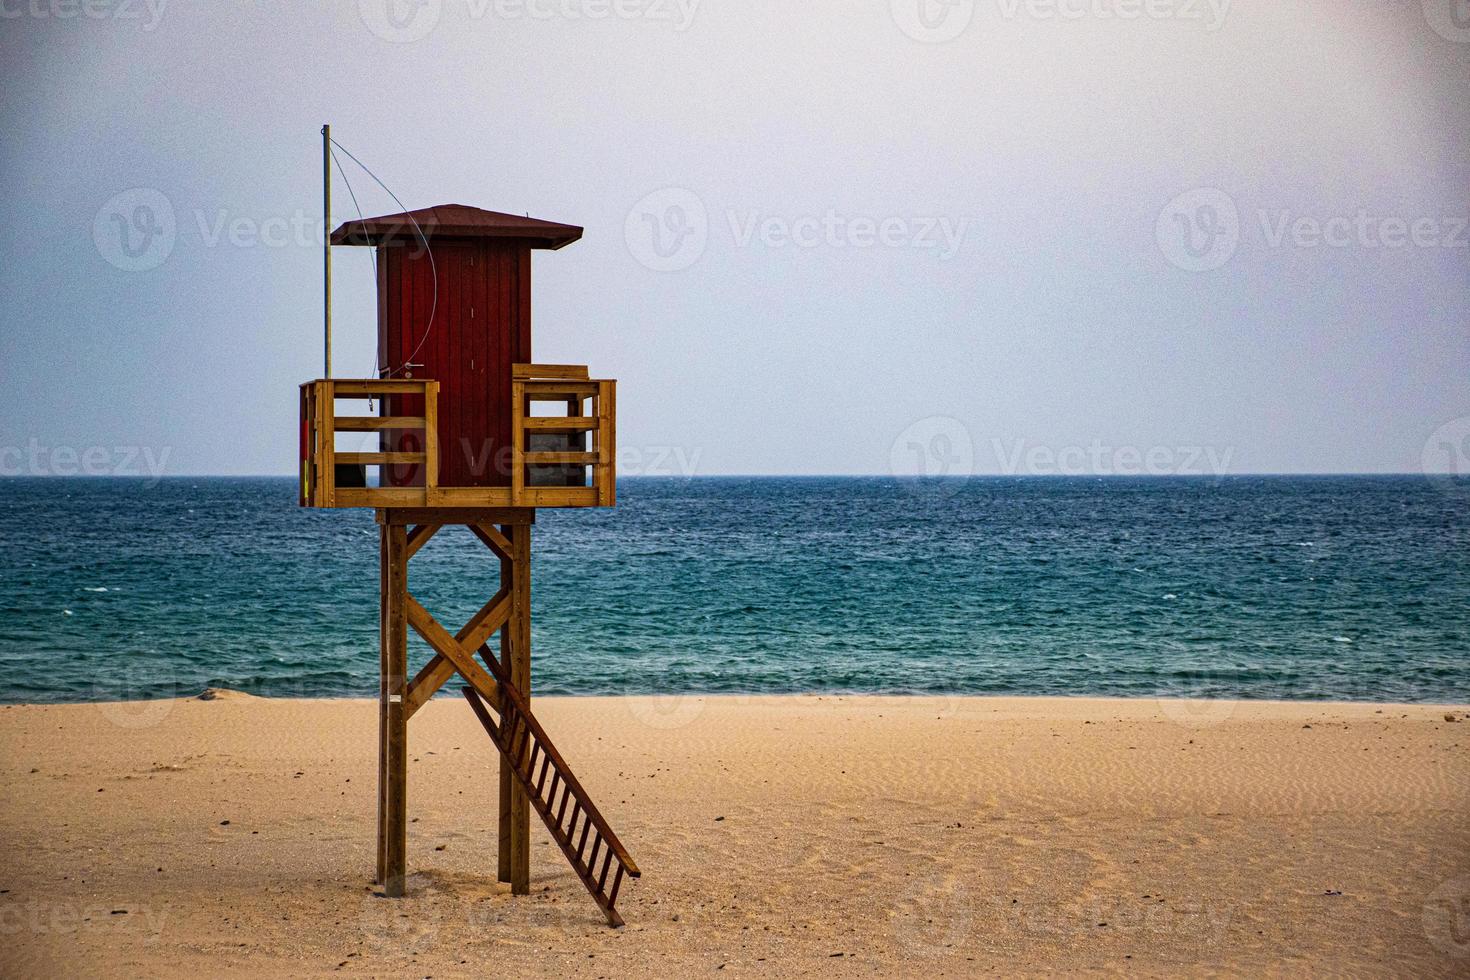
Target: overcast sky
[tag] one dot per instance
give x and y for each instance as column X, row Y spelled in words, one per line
column 826, row 237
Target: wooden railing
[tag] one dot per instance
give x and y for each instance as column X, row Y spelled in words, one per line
column 320, row 423
column 588, row 411
column 560, row 460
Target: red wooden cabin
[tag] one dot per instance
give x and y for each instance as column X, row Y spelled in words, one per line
column 454, row 346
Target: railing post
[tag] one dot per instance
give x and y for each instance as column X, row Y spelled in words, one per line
column 605, row 472
column 517, row 441
column 431, row 439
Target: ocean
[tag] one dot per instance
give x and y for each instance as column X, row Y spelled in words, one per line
column 1342, row 588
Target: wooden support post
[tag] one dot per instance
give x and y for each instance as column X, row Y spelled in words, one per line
column 383, row 609
column 515, row 807
column 395, row 737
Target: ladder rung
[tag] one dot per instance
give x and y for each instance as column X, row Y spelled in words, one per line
column 612, row 897
column 561, row 811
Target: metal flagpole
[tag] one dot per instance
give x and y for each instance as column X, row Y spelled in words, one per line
column 327, row 248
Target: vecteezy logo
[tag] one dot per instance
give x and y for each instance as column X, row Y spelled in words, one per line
column 400, row 21
column 1446, row 457
column 1191, row 698
column 668, row 230
column 1447, row 918
column 135, row 230
column 934, row 455
column 1199, row 230
column 1450, row 19
column 933, row 916
column 932, row 21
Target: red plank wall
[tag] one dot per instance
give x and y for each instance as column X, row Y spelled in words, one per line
column 481, row 325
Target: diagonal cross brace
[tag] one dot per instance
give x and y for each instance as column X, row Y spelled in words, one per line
column 456, row 654
column 491, row 617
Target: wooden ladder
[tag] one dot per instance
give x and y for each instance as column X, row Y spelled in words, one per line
column 549, row 785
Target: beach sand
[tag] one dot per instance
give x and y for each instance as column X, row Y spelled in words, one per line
column 778, row 836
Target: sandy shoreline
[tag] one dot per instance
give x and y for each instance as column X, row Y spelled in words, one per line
column 778, row 836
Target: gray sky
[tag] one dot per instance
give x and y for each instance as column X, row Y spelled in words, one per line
column 829, row 237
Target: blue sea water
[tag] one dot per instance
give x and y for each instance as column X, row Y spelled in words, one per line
column 1273, row 587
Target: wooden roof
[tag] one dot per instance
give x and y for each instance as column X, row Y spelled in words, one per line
column 455, row 221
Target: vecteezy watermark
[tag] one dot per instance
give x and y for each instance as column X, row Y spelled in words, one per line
column 1446, row 918
column 400, row 21
column 274, row 231
column 133, row 695
column 834, row 230
column 1211, row 13
column 1446, row 457
column 1363, row 229
column 148, row 12
column 1101, row 459
column 34, row 459
column 938, row 21
column 1190, row 698
column 666, row 712
column 670, row 229
column 932, row 21
column 1201, row 230
column 405, row 21
column 135, row 230
column 64, row 919
column 933, row 915
column 1197, row 924
column 667, row 230
column 676, row 461
column 934, row 455
column 1450, row 19
column 387, row 926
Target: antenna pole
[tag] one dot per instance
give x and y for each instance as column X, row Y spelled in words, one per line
column 327, row 249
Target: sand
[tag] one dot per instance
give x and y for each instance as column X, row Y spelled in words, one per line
column 778, row 836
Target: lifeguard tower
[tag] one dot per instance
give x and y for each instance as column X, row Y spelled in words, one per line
column 469, row 431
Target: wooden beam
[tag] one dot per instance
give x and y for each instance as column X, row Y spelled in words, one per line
column 431, row 435
column 559, row 372
column 447, row 646
column 493, row 539
column 383, row 610
column 517, row 442
column 546, row 391
column 380, row 459
column 519, row 672
column 420, row 536
column 456, row 515
column 465, row 498
column 400, row 606
column 552, row 458
column 363, row 387
column 376, row 423
column 556, row 423
column 605, row 477
column 491, row 617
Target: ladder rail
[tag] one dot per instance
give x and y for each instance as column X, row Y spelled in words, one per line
column 511, row 696
column 520, row 738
